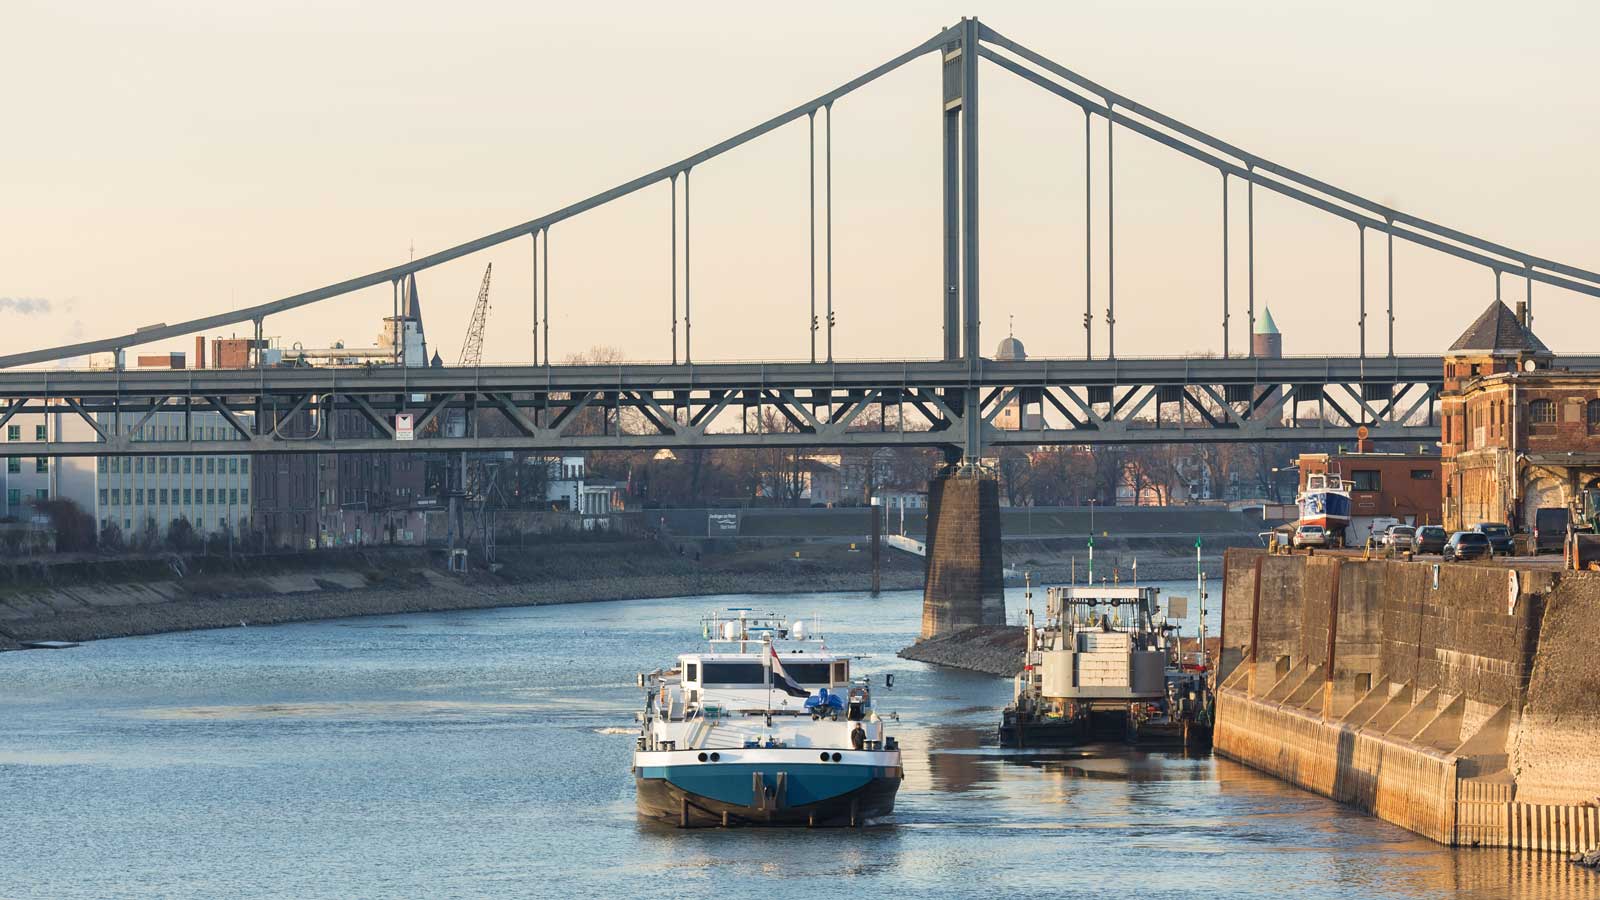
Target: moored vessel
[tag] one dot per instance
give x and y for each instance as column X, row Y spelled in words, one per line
column 1106, row 667
column 1325, row 501
column 766, row 726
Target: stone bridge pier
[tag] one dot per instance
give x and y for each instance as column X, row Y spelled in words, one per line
column 965, row 583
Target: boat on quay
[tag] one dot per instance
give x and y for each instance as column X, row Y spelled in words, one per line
column 766, row 726
column 1325, row 501
column 1105, row 667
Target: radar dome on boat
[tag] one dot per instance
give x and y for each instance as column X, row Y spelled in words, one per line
column 730, row 630
column 798, row 631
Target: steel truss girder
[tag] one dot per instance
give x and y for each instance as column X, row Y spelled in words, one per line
column 814, row 405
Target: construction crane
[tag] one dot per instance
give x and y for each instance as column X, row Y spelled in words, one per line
column 472, row 344
column 467, row 475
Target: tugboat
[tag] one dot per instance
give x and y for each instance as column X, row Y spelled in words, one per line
column 1104, row 668
column 764, row 727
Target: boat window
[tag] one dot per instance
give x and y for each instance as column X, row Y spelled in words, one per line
column 807, row 673
column 734, row 673
column 691, row 672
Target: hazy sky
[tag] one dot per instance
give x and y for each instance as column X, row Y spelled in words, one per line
column 163, row 160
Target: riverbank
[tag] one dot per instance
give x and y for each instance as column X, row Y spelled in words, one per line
column 91, row 597
column 97, row 599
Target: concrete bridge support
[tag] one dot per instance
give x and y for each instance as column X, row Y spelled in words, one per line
column 965, row 582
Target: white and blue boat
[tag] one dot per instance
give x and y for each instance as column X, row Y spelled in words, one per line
column 1325, row 501
column 764, row 727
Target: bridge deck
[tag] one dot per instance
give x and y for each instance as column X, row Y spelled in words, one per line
column 909, row 403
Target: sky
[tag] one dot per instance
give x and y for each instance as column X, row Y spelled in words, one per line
column 165, row 160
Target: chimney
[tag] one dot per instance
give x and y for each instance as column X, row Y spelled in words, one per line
column 200, row 351
column 1522, row 313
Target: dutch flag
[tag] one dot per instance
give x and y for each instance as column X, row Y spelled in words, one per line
column 781, row 679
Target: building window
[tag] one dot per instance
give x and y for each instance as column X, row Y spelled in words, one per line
column 233, row 495
column 211, row 466
column 1366, row 480
column 244, row 466
column 13, row 465
column 1594, row 416
column 188, row 495
column 116, row 498
column 1542, row 412
column 138, row 465
column 1422, row 474
column 127, row 497
column 100, row 464
column 211, row 495
column 39, row 433
column 103, row 500
column 13, row 432
column 14, row 497
column 138, row 496
column 42, row 494
column 163, row 495
column 188, row 465
column 244, row 496
column 233, row 466
column 42, row 464
column 163, row 465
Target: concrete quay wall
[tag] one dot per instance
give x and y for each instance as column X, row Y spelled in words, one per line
column 1411, row 786
column 1459, row 701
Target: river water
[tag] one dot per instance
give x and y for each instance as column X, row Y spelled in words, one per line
column 485, row 754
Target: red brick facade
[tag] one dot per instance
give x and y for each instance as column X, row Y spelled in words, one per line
column 1517, row 432
column 1515, row 442
column 1402, row 485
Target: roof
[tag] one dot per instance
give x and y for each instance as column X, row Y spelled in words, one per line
column 1010, row 349
column 411, row 304
column 1497, row 332
column 1265, row 325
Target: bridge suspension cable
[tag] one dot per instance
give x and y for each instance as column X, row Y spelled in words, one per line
column 968, row 40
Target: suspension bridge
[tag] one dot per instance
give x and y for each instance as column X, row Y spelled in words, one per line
column 952, row 400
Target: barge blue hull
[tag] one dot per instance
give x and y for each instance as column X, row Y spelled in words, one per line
column 816, row 795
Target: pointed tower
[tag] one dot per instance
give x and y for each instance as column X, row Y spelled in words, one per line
column 1267, row 341
column 406, row 329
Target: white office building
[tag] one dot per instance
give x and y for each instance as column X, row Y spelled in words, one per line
column 27, row 479
column 211, row 492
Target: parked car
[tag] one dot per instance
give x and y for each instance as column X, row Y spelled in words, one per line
column 1550, row 529
column 1499, row 537
column 1467, row 545
column 1310, row 536
column 1431, row 539
column 1400, row 538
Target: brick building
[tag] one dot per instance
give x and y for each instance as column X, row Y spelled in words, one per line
column 308, row 500
column 1403, row 486
column 1518, row 433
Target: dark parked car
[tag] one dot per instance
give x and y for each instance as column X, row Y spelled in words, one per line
column 1550, row 529
column 1499, row 537
column 1467, row 545
column 1431, row 539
